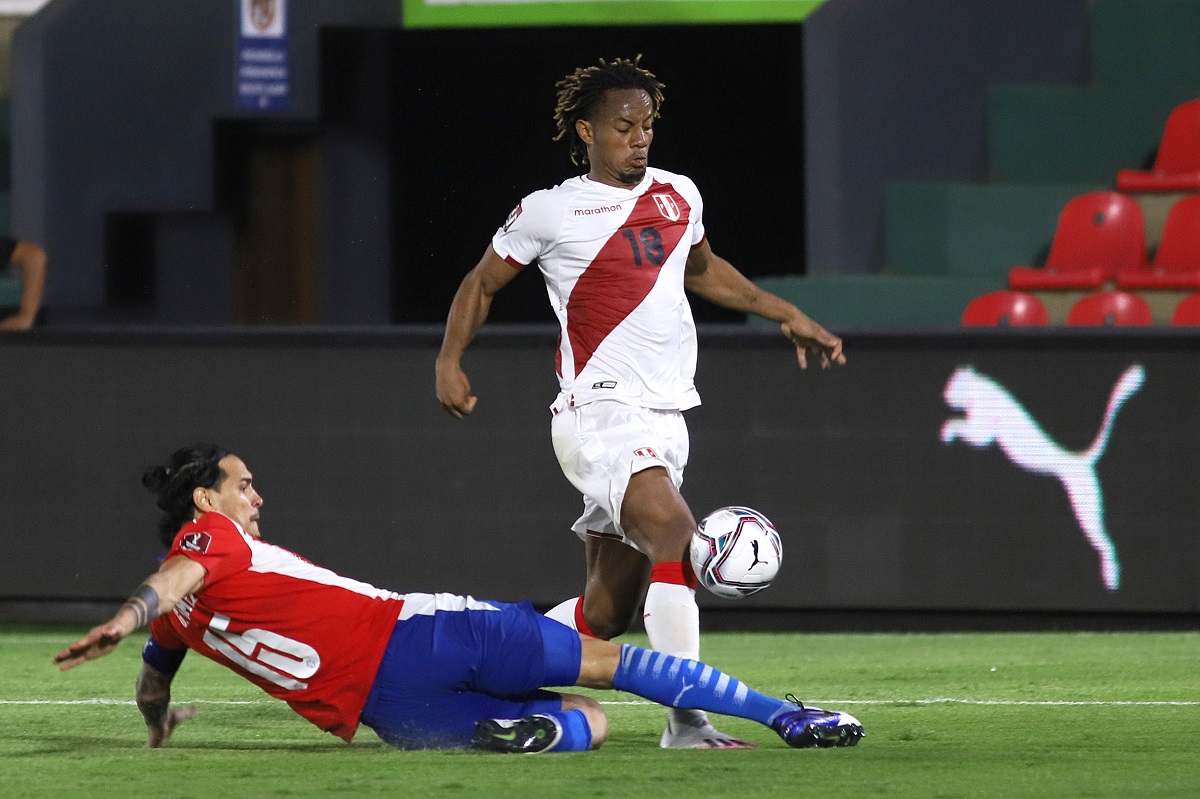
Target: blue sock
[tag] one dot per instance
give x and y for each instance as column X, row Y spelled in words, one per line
column 682, row 683
column 576, row 732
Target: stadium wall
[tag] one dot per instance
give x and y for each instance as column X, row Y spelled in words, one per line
column 361, row 470
column 134, row 164
column 897, row 90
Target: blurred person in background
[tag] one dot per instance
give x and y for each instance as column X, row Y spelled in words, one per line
column 30, row 260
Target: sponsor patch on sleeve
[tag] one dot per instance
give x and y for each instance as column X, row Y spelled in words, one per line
column 195, row 542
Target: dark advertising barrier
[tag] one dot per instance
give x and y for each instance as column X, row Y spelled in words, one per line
column 989, row 472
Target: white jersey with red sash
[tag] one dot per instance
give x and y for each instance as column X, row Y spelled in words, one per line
column 300, row 632
column 613, row 260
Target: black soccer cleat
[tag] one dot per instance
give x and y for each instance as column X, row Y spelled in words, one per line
column 812, row 727
column 529, row 735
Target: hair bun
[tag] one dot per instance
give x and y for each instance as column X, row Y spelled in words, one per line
column 155, row 478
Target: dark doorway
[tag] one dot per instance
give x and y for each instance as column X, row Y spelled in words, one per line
column 269, row 181
column 473, row 134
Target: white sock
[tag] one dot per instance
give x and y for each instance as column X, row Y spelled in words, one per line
column 564, row 613
column 672, row 621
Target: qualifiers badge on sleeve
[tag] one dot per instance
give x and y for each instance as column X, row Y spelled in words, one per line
column 195, row 542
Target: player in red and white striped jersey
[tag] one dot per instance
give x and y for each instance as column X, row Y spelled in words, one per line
column 422, row 670
column 617, row 247
column 321, row 662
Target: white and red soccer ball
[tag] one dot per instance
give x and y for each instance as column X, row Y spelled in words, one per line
column 736, row 552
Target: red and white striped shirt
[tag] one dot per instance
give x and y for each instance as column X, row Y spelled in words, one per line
column 613, row 260
column 300, row 632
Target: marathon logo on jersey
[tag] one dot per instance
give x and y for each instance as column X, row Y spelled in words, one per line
column 603, row 209
column 667, row 206
column 195, row 542
column 646, row 452
column 512, row 217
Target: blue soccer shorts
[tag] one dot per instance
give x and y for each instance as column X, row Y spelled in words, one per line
column 452, row 661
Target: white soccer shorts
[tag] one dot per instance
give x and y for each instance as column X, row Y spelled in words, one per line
column 602, row 444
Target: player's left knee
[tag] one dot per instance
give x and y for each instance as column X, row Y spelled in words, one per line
column 593, row 713
column 597, row 721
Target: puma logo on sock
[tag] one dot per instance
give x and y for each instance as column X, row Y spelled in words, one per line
column 686, row 687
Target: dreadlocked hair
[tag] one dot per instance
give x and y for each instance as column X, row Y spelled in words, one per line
column 581, row 92
column 187, row 469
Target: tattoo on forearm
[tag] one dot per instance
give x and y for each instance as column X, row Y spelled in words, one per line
column 143, row 605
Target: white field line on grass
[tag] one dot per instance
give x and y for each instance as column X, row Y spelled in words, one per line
column 1036, row 702
column 131, row 702
column 820, row 703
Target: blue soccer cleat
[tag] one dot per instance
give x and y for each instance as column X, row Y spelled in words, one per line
column 811, row 727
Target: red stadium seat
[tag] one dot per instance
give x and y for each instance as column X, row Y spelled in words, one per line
column 1187, row 312
column 1177, row 164
column 1098, row 234
column 1014, row 308
column 1111, row 308
column 1176, row 264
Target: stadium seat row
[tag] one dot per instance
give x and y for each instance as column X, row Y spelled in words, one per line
column 1112, row 308
column 1101, row 237
column 1177, row 163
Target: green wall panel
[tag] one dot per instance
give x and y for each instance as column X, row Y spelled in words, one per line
column 1145, row 42
column 1064, row 133
column 879, row 300
column 972, row 230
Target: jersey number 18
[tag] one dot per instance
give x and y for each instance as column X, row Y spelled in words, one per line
column 646, row 243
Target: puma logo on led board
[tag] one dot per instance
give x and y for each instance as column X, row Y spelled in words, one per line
column 992, row 415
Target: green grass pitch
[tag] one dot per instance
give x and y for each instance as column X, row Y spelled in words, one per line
column 946, row 715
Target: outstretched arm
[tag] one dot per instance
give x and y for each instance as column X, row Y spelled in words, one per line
column 468, row 312
column 717, row 280
column 176, row 578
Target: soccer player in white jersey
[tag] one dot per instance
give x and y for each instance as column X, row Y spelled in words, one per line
column 617, row 248
column 422, row 670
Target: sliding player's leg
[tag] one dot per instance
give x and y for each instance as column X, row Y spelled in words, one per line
column 690, row 684
column 454, row 661
column 669, row 680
